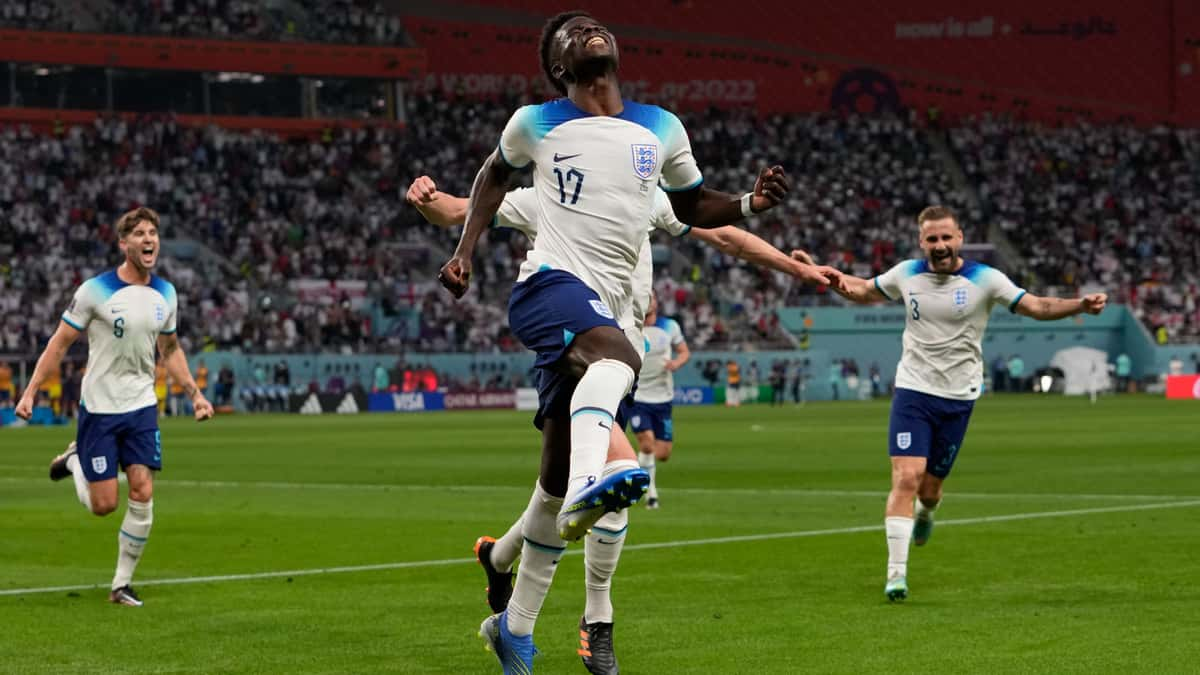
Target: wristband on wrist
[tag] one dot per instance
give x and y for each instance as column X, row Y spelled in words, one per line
column 746, row 210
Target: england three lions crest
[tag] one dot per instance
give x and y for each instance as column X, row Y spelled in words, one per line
column 645, row 160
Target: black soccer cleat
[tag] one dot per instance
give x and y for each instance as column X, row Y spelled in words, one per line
column 125, row 596
column 596, row 647
column 500, row 584
column 58, row 467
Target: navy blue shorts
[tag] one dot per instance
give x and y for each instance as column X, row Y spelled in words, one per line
column 654, row 417
column 547, row 311
column 928, row 426
column 554, row 395
column 105, row 442
column 624, row 411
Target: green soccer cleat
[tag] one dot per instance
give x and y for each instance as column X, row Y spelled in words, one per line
column 922, row 530
column 896, row 589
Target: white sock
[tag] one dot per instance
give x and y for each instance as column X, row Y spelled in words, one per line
column 922, row 512
column 646, row 461
column 601, row 551
column 508, row 547
column 135, row 529
column 593, row 405
column 82, row 490
column 539, row 559
column 899, row 532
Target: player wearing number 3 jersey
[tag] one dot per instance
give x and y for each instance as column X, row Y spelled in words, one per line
column 948, row 301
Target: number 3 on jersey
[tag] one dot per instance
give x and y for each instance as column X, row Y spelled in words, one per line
column 564, row 182
column 916, row 311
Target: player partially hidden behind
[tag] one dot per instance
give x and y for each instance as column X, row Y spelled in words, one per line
column 947, row 301
column 126, row 312
column 650, row 415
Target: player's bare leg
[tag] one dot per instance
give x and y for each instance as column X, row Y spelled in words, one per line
column 647, row 459
column 134, row 532
column 100, row 497
column 929, row 497
column 907, row 473
column 662, row 453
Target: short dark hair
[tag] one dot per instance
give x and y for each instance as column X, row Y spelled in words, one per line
column 552, row 25
column 130, row 219
column 935, row 213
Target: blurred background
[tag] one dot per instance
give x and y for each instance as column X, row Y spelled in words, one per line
column 277, row 140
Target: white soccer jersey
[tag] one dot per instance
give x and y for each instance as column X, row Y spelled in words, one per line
column 946, row 317
column 656, row 384
column 595, row 179
column 123, row 322
column 519, row 212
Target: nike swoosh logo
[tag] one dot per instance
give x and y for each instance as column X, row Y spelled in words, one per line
column 605, row 426
column 563, row 158
column 116, row 311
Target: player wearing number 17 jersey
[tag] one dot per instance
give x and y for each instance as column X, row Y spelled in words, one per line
column 596, row 160
column 948, row 301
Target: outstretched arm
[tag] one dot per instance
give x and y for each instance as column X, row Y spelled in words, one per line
column 487, row 193
column 177, row 368
column 47, row 363
column 1049, row 309
column 747, row 246
column 703, row 207
column 439, row 208
column 854, row 289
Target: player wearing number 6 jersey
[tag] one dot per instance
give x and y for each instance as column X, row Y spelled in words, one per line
column 948, row 301
column 126, row 313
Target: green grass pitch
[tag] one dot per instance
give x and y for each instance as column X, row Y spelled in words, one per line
column 1069, row 541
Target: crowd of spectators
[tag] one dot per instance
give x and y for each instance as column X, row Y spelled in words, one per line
column 34, row 15
column 353, row 22
column 1081, row 203
column 1097, row 207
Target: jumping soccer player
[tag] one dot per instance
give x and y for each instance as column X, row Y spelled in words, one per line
column 650, row 415
column 125, row 312
column 603, row 543
column 597, row 161
column 948, row 301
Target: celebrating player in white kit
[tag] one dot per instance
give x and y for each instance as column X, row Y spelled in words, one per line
column 602, row 546
column 597, row 160
column 650, row 415
column 948, row 301
column 126, row 313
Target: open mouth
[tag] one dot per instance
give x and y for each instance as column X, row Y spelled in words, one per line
column 596, row 41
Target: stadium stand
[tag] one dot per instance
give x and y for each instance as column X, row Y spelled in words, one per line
column 1112, row 207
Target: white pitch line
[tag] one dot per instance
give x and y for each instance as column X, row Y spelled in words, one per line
column 801, row 492
column 631, row 547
